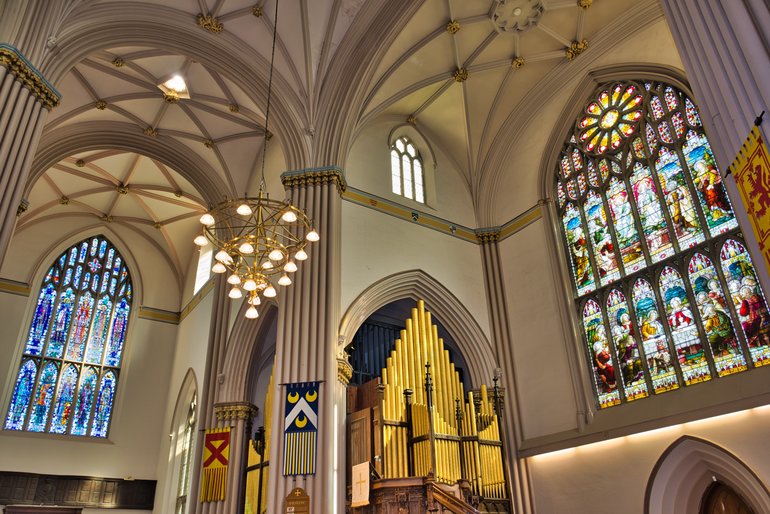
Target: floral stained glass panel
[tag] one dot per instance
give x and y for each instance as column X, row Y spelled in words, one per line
column 604, row 369
column 714, row 311
column 747, row 297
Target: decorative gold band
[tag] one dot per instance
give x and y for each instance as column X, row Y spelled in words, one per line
column 315, row 176
column 235, row 410
column 488, row 236
column 16, row 63
column 344, row 371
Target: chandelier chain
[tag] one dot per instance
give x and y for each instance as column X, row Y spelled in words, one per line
column 269, row 96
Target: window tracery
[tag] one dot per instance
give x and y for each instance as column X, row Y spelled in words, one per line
column 407, row 177
column 71, row 361
column 666, row 290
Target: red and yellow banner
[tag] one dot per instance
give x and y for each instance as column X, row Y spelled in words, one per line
column 751, row 169
column 216, row 455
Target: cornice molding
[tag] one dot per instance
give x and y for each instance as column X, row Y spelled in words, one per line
column 314, row 176
column 28, row 75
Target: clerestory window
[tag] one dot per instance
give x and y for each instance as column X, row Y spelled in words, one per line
column 407, row 178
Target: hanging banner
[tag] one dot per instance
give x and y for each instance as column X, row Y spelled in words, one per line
column 751, row 169
column 216, row 455
column 360, row 493
column 300, row 430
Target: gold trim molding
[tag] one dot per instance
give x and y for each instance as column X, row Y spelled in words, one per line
column 20, row 68
column 314, row 176
column 235, row 411
column 344, row 371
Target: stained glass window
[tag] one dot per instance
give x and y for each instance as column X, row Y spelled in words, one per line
column 666, row 291
column 406, row 173
column 69, row 372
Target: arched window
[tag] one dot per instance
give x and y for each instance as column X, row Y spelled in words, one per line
column 665, row 288
column 70, row 367
column 185, row 457
column 407, row 177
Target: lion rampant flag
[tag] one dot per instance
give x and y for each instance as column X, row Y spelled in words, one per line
column 751, row 169
column 216, row 455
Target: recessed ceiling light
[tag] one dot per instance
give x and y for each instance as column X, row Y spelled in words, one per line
column 175, row 86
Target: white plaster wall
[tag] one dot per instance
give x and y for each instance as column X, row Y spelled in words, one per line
column 546, row 396
column 376, row 245
column 611, row 476
column 368, row 169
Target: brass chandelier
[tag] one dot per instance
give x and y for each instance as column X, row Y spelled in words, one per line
column 257, row 238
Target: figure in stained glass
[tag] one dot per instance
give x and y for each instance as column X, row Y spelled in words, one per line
column 604, row 368
column 69, row 329
column 626, row 347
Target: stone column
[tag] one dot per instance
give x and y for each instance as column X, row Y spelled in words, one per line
column 239, row 416
column 220, row 315
column 344, row 374
column 306, row 340
column 25, row 99
column 518, row 473
column 724, row 48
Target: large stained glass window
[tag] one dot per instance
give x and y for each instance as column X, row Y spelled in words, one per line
column 70, row 367
column 407, row 178
column 667, row 294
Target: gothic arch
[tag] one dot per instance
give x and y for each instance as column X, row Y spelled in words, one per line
column 416, row 284
column 241, row 363
column 686, row 470
column 98, row 135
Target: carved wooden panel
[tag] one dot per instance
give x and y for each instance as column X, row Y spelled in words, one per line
column 76, row 491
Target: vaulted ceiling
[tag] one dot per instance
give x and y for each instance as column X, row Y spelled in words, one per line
column 468, row 73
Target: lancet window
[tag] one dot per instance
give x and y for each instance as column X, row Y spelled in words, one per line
column 665, row 288
column 70, row 366
column 407, row 178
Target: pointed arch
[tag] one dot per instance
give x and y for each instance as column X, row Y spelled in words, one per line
column 416, row 284
column 688, row 467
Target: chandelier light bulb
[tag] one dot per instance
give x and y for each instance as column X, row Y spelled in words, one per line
column 243, row 210
column 261, row 286
column 208, row 220
column 223, row 257
column 235, row 293
column 218, row 268
column 270, row 292
column 251, row 312
column 254, row 300
column 250, row 285
column 267, row 265
column 275, row 255
column 300, row 255
column 201, row 240
column 289, row 217
column 290, row 267
column 284, row 280
column 312, row 236
column 246, row 248
column 234, row 279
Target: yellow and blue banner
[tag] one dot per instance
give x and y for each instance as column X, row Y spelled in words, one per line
column 751, row 170
column 216, row 458
column 300, row 428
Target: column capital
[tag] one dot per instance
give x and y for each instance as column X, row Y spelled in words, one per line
column 344, row 371
column 313, row 176
column 28, row 75
column 234, row 411
column 488, row 235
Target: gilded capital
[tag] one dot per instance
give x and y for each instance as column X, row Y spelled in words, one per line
column 487, row 235
column 314, row 176
column 235, row 411
column 25, row 73
column 344, row 371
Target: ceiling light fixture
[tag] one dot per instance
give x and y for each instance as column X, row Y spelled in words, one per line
column 175, row 87
column 256, row 238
